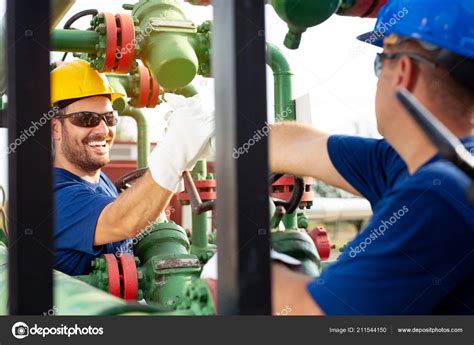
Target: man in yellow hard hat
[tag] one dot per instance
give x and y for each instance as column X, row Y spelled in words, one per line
column 91, row 219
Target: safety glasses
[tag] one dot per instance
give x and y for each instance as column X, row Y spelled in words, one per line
column 90, row 119
column 380, row 57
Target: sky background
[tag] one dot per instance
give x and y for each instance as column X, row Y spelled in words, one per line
column 331, row 66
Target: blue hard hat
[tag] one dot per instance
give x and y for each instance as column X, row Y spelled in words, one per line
column 446, row 24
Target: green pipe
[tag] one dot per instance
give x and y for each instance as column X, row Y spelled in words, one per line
column 163, row 240
column 120, row 82
column 187, row 91
column 80, row 41
column 298, row 245
column 290, row 220
column 199, row 239
column 167, row 48
column 143, row 142
column 285, row 109
column 71, row 296
column 301, row 15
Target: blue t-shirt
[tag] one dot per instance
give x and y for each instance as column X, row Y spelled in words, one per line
column 416, row 255
column 79, row 204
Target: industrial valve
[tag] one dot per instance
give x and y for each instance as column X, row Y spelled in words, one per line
column 145, row 90
column 157, row 32
column 163, row 273
column 284, row 186
column 116, row 43
column 118, row 275
column 303, row 14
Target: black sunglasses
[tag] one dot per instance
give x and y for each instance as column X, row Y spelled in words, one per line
column 90, row 119
column 378, row 63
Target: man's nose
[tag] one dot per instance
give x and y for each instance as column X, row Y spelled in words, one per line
column 102, row 127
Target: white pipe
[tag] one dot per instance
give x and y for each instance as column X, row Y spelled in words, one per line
column 333, row 209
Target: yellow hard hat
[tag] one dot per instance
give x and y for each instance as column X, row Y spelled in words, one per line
column 77, row 79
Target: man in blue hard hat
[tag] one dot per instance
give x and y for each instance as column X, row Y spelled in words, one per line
column 416, row 255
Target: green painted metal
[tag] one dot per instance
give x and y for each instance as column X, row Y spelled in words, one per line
column 199, row 241
column 80, row 41
column 298, row 244
column 168, row 270
column 187, row 91
column 202, row 46
column 197, row 299
column 198, row 2
column 303, row 220
column 143, row 142
column 303, row 14
column 59, row 9
column 167, row 48
column 72, row 296
column 171, row 46
column 290, row 220
column 285, row 109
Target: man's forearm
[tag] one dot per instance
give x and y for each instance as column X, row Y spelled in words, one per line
column 295, row 148
column 132, row 212
column 301, row 150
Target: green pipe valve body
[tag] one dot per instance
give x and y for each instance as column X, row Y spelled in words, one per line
column 168, row 48
column 300, row 246
column 168, row 268
column 303, row 14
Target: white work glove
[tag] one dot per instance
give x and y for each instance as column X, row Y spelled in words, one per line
column 187, row 140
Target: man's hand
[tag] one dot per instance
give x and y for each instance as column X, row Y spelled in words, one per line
column 187, row 140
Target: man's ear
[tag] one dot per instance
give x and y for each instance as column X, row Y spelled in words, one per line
column 406, row 75
column 56, row 129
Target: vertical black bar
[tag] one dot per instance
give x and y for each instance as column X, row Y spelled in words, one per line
column 30, row 184
column 241, row 114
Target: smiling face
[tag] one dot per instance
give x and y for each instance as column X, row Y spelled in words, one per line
column 85, row 148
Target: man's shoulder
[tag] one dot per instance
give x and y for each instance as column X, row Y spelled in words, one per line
column 439, row 176
column 66, row 181
column 438, row 188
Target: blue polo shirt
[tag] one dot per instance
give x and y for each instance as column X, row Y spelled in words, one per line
column 79, row 204
column 416, row 255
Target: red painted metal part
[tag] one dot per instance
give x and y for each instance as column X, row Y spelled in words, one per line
column 155, row 92
column 206, row 190
column 114, row 275
column 111, row 35
column 363, row 8
column 144, row 95
column 129, row 277
column 320, row 238
column 283, row 188
column 200, row 2
column 126, row 43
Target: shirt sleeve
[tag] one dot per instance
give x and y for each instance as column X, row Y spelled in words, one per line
column 365, row 163
column 78, row 210
column 407, row 260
